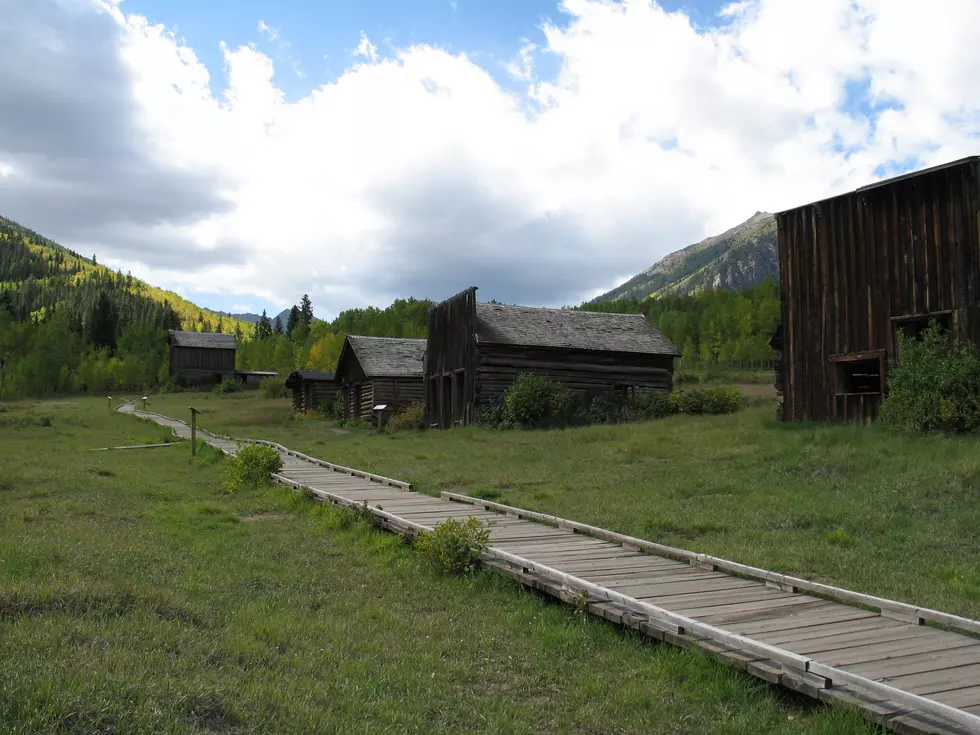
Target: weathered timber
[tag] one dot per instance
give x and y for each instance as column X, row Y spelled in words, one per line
column 376, row 371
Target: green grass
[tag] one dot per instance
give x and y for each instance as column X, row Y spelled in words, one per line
column 137, row 595
column 852, row 505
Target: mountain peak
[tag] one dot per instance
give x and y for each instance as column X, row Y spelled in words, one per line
column 741, row 257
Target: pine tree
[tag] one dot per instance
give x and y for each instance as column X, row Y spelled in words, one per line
column 306, row 309
column 103, row 322
column 293, row 320
column 263, row 328
column 278, row 326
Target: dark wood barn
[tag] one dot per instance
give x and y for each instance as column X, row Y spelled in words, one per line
column 858, row 269
column 312, row 390
column 380, row 371
column 476, row 351
column 202, row 357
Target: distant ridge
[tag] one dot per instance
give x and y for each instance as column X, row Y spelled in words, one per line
column 741, row 257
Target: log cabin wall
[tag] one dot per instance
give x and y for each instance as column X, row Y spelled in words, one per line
column 200, row 364
column 858, row 269
column 579, row 370
column 450, row 361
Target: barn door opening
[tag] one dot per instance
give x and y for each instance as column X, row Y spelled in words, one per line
column 446, row 402
column 355, row 408
column 912, row 327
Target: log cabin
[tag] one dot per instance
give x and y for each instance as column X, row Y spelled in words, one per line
column 859, row 269
column 312, row 390
column 475, row 351
column 380, row 371
column 198, row 358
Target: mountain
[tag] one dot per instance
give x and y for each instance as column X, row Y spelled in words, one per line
column 742, row 257
column 37, row 275
column 254, row 318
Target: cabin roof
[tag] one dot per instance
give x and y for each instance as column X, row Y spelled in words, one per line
column 312, row 375
column 527, row 326
column 888, row 182
column 203, row 340
column 379, row 357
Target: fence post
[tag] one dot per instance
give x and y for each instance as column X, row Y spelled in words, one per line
column 194, row 413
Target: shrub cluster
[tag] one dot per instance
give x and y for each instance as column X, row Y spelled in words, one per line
column 227, row 386
column 454, row 546
column 411, row 417
column 251, row 466
column 536, row 402
column 273, row 387
column 934, row 386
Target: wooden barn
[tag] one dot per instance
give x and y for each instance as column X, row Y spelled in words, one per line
column 380, row 371
column 198, row 358
column 312, row 390
column 475, row 352
column 859, row 269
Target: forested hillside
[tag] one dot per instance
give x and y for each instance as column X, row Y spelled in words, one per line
column 711, row 326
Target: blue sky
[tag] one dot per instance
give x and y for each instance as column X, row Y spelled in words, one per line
column 317, row 37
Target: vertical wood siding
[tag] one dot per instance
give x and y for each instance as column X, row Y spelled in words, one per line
column 851, row 265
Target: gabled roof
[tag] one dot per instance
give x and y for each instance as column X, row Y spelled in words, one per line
column 571, row 329
column 312, row 376
column 205, row 340
column 385, row 357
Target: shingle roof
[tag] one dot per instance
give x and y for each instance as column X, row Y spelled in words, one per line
column 584, row 330
column 388, row 356
column 207, row 340
column 310, row 375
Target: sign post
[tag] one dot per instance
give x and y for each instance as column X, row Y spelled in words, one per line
column 194, row 413
column 144, row 403
column 110, row 404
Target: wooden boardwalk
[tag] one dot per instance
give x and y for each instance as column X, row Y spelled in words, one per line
column 886, row 658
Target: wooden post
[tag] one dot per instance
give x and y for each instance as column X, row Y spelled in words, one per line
column 110, row 404
column 194, row 413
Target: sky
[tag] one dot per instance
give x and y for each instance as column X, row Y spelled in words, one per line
column 244, row 152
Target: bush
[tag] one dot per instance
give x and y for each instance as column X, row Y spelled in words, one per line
column 412, row 417
column 251, row 466
column 934, row 387
column 173, row 384
column 533, row 401
column 647, row 405
column 227, row 386
column 700, row 401
column 686, row 378
column 273, row 387
column 454, row 546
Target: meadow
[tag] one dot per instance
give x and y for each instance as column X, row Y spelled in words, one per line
column 855, row 506
column 138, row 595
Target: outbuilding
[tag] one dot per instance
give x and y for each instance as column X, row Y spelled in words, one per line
column 380, row 371
column 312, row 390
column 198, row 358
column 859, row 269
column 476, row 351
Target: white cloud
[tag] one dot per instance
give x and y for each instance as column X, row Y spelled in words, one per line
column 272, row 33
column 6, row 170
column 419, row 174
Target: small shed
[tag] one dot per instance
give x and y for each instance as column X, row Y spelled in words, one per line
column 252, row 378
column 475, row 352
column 380, row 370
column 312, row 390
column 198, row 358
column 861, row 268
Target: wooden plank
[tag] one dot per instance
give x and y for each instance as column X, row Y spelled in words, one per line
column 718, row 597
column 915, row 664
column 825, row 630
column 679, row 585
column 828, row 612
column 719, row 615
column 875, row 635
column 937, row 681
column 889, row 650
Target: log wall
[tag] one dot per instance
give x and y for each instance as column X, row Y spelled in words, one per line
column 201, row 365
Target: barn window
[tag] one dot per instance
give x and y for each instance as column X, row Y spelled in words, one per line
column 859, row 374
column 912, row 327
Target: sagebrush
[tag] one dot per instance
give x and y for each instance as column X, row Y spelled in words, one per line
column 454, row 546
column 411, row 417
column 227, row 386
column 251, row 466
column 273, row 387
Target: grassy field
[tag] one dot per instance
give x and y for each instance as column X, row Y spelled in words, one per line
column 137, row 595
column 850, row 505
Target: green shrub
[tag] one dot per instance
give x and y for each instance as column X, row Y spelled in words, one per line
column 273, row 387
column 686, row 378
column 454, row 546
column 411, row 417
column 227, row 386
column 493, row 415
column 650, row 404
column 935, row 386
column 533, row 401
column 705, row 400
column 251, row 466
column 173, row 384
